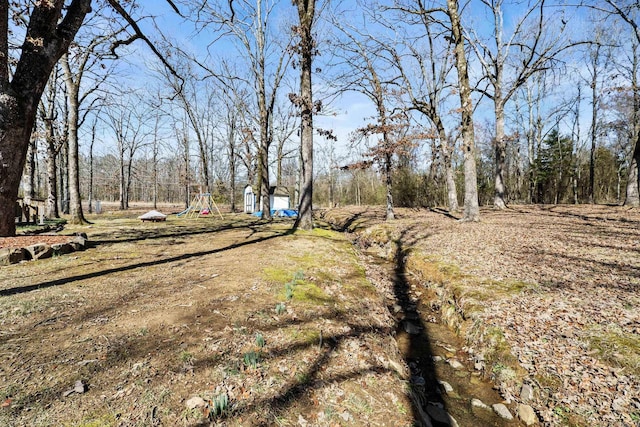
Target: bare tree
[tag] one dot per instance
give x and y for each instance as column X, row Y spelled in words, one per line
column 250, row 23
column 47, row 37
column 364, row 74
column 306, row 49
column 83, row 61
column 128, row 121
column 627, row 11
column 509, row 61
column 471, row 210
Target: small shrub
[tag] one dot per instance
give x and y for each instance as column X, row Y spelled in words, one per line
column 280, row 308
column 251, row 359
column 288, row 290
column 260, row 342
column 219, row 405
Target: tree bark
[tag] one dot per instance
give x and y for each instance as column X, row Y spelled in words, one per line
column 633, row 195
column 471, row 206
column 500, row 152
column 48, row 36
column 73, row 97
column 306, row 14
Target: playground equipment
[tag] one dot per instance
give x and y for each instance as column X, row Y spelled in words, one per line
column 201, row 204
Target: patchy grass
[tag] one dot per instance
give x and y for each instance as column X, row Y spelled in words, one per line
column 154, row 314
column 615, row 346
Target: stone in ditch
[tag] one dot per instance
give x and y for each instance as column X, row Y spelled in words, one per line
column 455, row 364
column 62, row 248
column 412, row 329
column 446, row 386
column 440, row 416
column 502, row 411
column 477, row 403
column 526, row 414
column 12, row 255
column 526, row 393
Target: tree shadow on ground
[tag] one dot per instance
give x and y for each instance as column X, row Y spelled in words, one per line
column 419, row 354
column 119, row 269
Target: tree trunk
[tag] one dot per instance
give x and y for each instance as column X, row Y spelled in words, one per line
column 387, row 173
column 471, row 207
column 29, row 176
column 500, row 152
column 14, row 139
column 48, row 36
column 633, row 183
column 75, row 202
column 51, row 208
column 452, row 191
column 306, row 14
column 93, row 140
column 122, row 178
column 63, row 175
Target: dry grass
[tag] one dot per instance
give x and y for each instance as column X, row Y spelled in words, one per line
column 156, row 313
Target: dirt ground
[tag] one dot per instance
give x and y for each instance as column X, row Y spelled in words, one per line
column 191, row 322
column 237, row 322
column 547, row 296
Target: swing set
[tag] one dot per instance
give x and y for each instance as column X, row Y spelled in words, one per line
column 202, row 204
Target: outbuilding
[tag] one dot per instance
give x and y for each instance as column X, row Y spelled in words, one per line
column 279, row 199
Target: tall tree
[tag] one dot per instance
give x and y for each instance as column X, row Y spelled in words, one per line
column 250, row 23
column 471, row 211
column 47, row 37
column 51, row 27
column 306, row 49
column 627, row 11
column 535, row 48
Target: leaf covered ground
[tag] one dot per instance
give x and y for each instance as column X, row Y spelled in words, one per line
column 547, row 296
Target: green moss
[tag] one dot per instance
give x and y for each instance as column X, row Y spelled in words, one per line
column 324, row 232
column 105, row 420
column 310, row 293
column 616, row 346
column 279, row 275
column 305, row 336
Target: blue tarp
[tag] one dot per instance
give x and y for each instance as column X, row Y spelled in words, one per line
column 282, row 213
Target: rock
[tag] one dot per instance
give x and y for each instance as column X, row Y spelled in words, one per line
column 62, row 248
column 526, row 393
column 446, row 386
column 455, row 364
column 345, row 416
column 477, row 403
column 418, row 380
column 79, row 242
column 526, row 414
column 79, row 387
column 196, row 402
column 440, row 416
column 438, row 358
column 12, row 255
column 411, row 328
column 502, row 411
column 39, row 251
